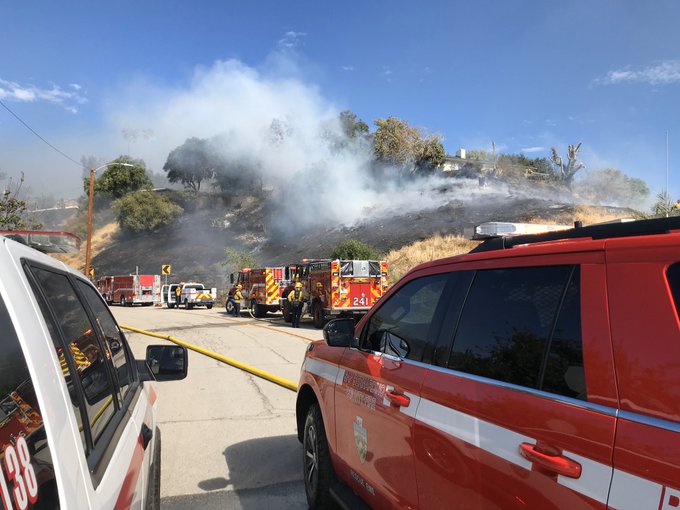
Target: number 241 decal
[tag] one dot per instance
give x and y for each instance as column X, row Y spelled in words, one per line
column 362, row 301
column 21, row 474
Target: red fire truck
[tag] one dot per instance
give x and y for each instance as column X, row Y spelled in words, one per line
column 337, row 288
column 261, row 288
column 144, row 289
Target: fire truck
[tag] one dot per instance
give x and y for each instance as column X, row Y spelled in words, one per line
column 261, row 288
column 126, row 290
column 337, row 288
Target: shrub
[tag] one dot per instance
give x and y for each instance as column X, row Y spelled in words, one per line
column 144, row 211
column 352, row 249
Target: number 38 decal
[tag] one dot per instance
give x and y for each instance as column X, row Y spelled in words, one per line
column 21, row 474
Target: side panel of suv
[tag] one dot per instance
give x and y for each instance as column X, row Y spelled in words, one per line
column 527, row 376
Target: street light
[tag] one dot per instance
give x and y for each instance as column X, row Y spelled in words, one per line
column 89, row 212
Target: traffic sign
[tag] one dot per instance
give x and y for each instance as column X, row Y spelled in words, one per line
column 92, row 272
column 166, row 269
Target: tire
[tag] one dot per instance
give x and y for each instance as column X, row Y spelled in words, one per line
column 153, row 498
column 316, row 461
column 209, row 307
column 189, row 306
column 285, row 309
column 317, row 316
column 170, row 305
column 259, row 310
column 122, row 301
column 229, row 307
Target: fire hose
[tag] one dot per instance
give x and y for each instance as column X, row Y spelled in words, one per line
column 290, row 385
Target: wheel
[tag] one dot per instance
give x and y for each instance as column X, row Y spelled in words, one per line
column 316, row 461
column 317, row 316
column 259, row 310
column 170, row 305
column 122, row 301
column 285, row 309
column 230, row 307
column 209, row 307
column 189, row 306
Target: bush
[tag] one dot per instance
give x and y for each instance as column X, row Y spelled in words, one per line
column 142, row 211
column 354, row 250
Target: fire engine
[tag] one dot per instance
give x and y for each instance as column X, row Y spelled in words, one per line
column 132, row 289
column 261, row 288
column 337, row 288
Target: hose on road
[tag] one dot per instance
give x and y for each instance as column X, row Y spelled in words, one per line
column 290, row 385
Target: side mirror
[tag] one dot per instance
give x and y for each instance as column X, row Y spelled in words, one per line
column 167, row 362
column 339, row 332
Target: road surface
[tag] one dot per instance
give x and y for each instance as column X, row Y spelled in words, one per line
column 229, row 438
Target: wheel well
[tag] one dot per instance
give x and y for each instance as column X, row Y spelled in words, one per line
column 306, row 397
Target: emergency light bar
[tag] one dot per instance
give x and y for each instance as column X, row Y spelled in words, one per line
column 493, row 229
column 45, row 241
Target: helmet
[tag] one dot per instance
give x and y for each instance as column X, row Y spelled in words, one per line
column 298, row 285
column 239, row 286
column 319, row 285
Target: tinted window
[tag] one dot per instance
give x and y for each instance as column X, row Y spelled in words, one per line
column 402, row 326
column 507, row 322
column 82, row 347
column 564, row 373
column 673, row 276
column 23, row 443
column 113, row 337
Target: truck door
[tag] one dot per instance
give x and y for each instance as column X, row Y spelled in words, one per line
column 378, row 395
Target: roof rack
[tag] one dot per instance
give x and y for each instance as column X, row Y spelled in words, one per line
column 45, row 241
column 596, row 231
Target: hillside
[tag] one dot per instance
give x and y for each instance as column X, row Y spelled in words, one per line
column 195, row 245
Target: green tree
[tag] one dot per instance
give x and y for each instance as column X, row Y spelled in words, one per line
column 352, row 127
column 145, row 211
column 613, row 187
column 118, row 180
column 664, row 206
column 395, row 142
column 193, row 162
column 237, row 260
column 14, row 213
column 352, row 249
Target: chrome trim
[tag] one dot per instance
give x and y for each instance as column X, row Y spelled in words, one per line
column 605, row 410
column 652, row 421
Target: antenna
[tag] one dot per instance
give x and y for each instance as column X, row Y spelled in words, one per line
column 668, row 197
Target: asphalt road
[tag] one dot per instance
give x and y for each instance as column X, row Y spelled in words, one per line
column 229, row 439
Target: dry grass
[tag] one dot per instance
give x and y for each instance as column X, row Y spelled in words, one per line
column 436, row 247
column 402, row 260
column 101, row 238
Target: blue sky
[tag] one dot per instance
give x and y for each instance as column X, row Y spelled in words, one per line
column 528, row 75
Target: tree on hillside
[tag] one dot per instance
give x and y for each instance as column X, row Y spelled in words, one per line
column 145, row 211
column 237, row 260
column 118, row 180
column 567, row 172
column 395, row 142
column 351, row 249
column 611, row 186
column 664, row 206
column 14, row 213
column 192, row 163
column 352, row 127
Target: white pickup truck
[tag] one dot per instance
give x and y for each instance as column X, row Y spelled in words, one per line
column 195, row 294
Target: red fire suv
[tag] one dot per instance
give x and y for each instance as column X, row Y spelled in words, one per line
column 538, row 371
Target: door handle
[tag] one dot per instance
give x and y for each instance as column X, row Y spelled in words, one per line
column 146, row 434
column 555, row 463
column 397, row 399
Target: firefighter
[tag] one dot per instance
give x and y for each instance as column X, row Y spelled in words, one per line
column 238, row 296
column 178, row 295
column 320, row 293
column 296, row 298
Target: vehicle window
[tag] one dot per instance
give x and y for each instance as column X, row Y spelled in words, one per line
column 25, row 457
column 82, row 347
column 564, row 372
column 507, row 321
column 114, row 338
column 347, row 268
column 673, row 277
column 402, row 325
column 374, row 268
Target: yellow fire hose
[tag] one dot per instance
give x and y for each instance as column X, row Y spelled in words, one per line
column 224, row 359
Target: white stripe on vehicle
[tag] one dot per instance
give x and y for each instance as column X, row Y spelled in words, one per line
column 594, row 479
column 322, row 369
column 630, row 492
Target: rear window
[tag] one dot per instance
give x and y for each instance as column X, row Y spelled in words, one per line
column 673, row 277
column 26, row 467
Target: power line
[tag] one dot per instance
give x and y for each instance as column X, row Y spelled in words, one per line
column 36, row 134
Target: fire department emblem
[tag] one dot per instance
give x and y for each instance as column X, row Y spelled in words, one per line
column 360, row 439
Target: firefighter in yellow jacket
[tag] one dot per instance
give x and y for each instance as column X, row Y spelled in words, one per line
column 296, row 298
column 237, row 297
